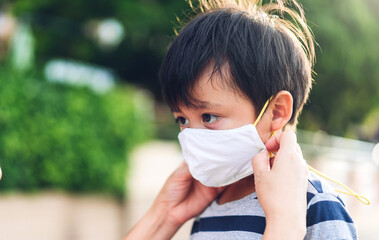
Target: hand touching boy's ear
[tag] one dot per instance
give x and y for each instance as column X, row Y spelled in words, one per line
column 281, row 108
column 281, row 189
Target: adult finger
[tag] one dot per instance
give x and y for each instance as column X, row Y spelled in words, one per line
column 284, row 140
column 288, row 140
column 273, row 143
column 260, row 163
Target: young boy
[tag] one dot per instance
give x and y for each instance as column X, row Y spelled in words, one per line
column 234, row 76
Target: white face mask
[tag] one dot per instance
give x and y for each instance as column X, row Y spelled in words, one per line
column 221, row 157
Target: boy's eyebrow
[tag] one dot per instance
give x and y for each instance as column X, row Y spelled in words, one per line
column 205, row 104
column 202, row 105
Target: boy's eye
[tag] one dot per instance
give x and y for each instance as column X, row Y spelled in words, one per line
column 183, row 121
column 209, row 118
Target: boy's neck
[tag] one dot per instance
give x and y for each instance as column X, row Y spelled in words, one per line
column 237, row 190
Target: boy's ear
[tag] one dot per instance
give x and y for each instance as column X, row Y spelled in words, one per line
column 281, row 108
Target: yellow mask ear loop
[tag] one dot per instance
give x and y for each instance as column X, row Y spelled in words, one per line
column 349, row 191
column 259, row 118
column 262, row 112
column 271, row 154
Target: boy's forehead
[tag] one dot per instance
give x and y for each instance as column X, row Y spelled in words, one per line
column 213, row 89
column 211, row 96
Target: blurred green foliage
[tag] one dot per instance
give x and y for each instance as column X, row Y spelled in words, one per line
column 62, row 30
column 346, row 89
column 62, row 137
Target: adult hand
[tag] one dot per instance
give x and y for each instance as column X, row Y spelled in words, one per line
column 181, row 198
column 281, row 188
column 184, row 196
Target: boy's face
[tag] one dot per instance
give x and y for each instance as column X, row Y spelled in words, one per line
column 221, row 108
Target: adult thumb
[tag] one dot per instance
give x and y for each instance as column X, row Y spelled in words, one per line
column 261, row 162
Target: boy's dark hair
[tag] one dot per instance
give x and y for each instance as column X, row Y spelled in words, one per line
column 262, row 53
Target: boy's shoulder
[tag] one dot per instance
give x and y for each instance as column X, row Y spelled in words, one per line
column 327, row 216
column 321, row 191
column 319, row 188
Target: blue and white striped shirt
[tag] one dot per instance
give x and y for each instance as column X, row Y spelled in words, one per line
column 327, row 217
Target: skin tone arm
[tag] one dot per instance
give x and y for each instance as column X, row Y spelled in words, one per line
column 183, row 198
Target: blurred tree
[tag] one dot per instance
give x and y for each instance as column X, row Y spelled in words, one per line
column 64, row 137
column 63, row 29
column 347, row 82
